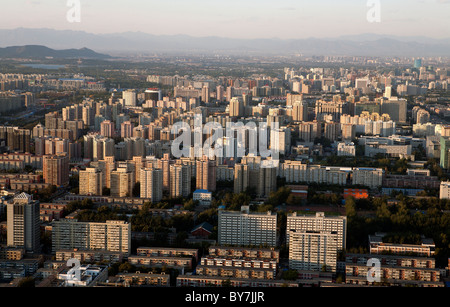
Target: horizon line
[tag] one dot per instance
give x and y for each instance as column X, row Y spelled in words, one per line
column 393, row 36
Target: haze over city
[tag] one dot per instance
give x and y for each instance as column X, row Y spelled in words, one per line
column 284, row 19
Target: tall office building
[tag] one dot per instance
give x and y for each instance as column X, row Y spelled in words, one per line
column 91, row 181
column 242, row 228
column 23, row 223
column 417, row 63
column 152, row 184
column 56, row 169
column 70, row 234
column 180, row 180
column 318, row 223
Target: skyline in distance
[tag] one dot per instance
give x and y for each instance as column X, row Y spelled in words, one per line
column 250, row 19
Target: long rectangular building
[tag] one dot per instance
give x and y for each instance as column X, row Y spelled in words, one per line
column 114, row 236
column 247, row 229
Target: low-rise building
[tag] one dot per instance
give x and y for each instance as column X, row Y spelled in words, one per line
column 394, row 270
column 159, row 262
column 244, row 252
column 89, row 256
column 216, row 281
column 167, row 252
column 235, row 272
column 83, row 276
column 203, row 197
column 377, row 246
column 145, row 279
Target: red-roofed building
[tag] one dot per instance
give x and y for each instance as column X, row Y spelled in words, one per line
column 356, row 193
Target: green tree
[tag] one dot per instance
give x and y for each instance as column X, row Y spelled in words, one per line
column 350, row 207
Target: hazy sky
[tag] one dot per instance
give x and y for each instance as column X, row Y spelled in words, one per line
column 235, row 18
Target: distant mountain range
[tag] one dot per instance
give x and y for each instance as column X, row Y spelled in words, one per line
column 138, row 42
column 40, row 52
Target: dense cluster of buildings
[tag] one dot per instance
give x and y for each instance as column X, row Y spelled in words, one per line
column 121, row 152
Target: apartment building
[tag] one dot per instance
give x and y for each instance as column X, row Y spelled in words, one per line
column 370, row 177
column 89, row 256
column 217, row 281
column 152, row 184
column 377, row 246
column 145, row 279
column 23, row 223
column 122, row 182
column 298, row 172
column 170, row 262
column 70, row 234
column 235, row 272
column 56, row 169
column 444, row 190
column 244, row 228
column 394, row 270
column 313, row 250
column 180, row 181
column 317, row 223
column 239, row 262
column 252, row 175
column 11, row 253
column 167, row 252
column 244, row 252
column 91, row 181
